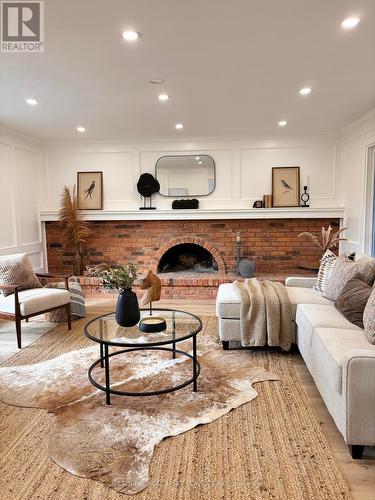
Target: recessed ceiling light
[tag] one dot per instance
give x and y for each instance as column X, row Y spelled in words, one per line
column 31, row 101
column 350, row 22
column 157, row 81
column 163, row 97
column 305, row 91
column 200, row 163
column 81, row 129
column 282, row 123
column 179, row 126
column 130, row 36
column 197, row 158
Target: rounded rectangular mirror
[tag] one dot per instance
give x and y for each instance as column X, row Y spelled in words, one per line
column 188, row 175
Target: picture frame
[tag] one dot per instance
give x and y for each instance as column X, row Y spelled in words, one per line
column 285, row 187
column 90, row 190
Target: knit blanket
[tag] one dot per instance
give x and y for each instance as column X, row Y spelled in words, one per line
column 266, row 314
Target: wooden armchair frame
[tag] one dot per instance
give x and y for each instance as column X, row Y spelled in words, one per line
column 17, row 317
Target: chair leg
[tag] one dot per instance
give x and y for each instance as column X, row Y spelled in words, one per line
column 225, row 345
column 69, row 316
column 18, row 331
column 356, row 450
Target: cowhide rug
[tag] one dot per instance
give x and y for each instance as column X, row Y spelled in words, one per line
column 114, row 444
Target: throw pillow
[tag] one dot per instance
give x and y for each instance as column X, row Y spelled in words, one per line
column 77, row 302
column 369, row 318
column 17, row 270
column 353, row 299
column 344, row 270
column 325, row 270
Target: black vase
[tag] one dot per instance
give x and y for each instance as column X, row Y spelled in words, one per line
column 127, row 310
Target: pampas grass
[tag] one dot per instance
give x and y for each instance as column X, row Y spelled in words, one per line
column 74, row 229
column 328, row 240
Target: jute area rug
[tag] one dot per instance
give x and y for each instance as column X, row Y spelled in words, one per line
column 270, row 447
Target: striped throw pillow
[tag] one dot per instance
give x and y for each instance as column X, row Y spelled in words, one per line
column 77, row 302
column 325, row 270
column 369, row 318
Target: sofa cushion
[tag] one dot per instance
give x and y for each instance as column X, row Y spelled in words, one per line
column 17, row 270
column 344, row 270
column 35, row 300
column 330, row 349
column 369, row 318
column 312, row 316
column 352, row 301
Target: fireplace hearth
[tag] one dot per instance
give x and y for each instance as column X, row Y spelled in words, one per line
column 187, row 257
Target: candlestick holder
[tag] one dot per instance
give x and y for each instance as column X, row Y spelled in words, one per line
column 238, row 255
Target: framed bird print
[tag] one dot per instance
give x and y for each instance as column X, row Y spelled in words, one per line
column 285, row 187
column 90, row 190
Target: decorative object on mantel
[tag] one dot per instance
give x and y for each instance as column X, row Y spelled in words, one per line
column 285, row 187
column 305, row 198
column 328, row 240
column 90, row 190
column 74, row 229
column 258, row 204
column 147, row 186
column 267, row 201
column 122, row 279
column 185, row 204
column 152, row 285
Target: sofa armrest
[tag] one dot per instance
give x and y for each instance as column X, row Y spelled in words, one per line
column 358, row 390
column 300, row 281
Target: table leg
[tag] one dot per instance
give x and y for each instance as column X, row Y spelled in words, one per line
column 174, row 333
column 195, row 388
column 101, row 345
column 107, row 381
column 101, row 356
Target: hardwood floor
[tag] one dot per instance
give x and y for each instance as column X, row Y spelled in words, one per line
column 359, row 474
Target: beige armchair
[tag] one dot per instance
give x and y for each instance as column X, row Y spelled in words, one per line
column 24, row 304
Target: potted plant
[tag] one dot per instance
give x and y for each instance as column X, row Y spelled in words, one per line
column 121, row 279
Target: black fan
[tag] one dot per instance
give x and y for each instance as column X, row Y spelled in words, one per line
column 147, row 186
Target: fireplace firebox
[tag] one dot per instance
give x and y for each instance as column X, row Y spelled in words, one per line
column 187, row 257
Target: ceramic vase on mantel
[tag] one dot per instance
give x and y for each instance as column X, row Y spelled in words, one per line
column 127, row 309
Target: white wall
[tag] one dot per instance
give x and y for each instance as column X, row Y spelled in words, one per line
column 243, row 169
column 357, row 173
column 20, row 182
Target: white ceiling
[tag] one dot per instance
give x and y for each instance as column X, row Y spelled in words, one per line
column 232, row 67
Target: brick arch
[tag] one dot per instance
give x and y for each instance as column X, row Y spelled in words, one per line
column 196, row 241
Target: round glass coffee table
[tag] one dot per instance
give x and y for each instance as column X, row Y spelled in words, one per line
column 180, row 326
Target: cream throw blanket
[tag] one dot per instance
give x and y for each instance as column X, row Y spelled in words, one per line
column 266, row 314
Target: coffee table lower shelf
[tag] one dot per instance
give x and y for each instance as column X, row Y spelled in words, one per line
column 103, row 361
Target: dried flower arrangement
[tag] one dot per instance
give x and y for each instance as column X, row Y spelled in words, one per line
column 328, row 239
column 74, row 229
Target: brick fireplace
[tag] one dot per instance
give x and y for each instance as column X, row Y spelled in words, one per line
column 271, row 243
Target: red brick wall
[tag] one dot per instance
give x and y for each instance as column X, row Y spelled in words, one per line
column 272, row 243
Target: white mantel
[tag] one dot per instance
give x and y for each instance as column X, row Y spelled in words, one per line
column 203, row 214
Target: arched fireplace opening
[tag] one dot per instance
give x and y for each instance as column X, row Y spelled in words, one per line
column 187, row 257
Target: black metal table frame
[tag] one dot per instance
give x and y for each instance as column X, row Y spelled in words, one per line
column 154, row 346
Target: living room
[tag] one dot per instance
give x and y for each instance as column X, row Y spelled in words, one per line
column 190, row 185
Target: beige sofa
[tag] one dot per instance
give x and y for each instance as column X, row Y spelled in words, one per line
column 336, row 352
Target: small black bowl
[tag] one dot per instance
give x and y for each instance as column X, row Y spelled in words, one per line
column 152, row 324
